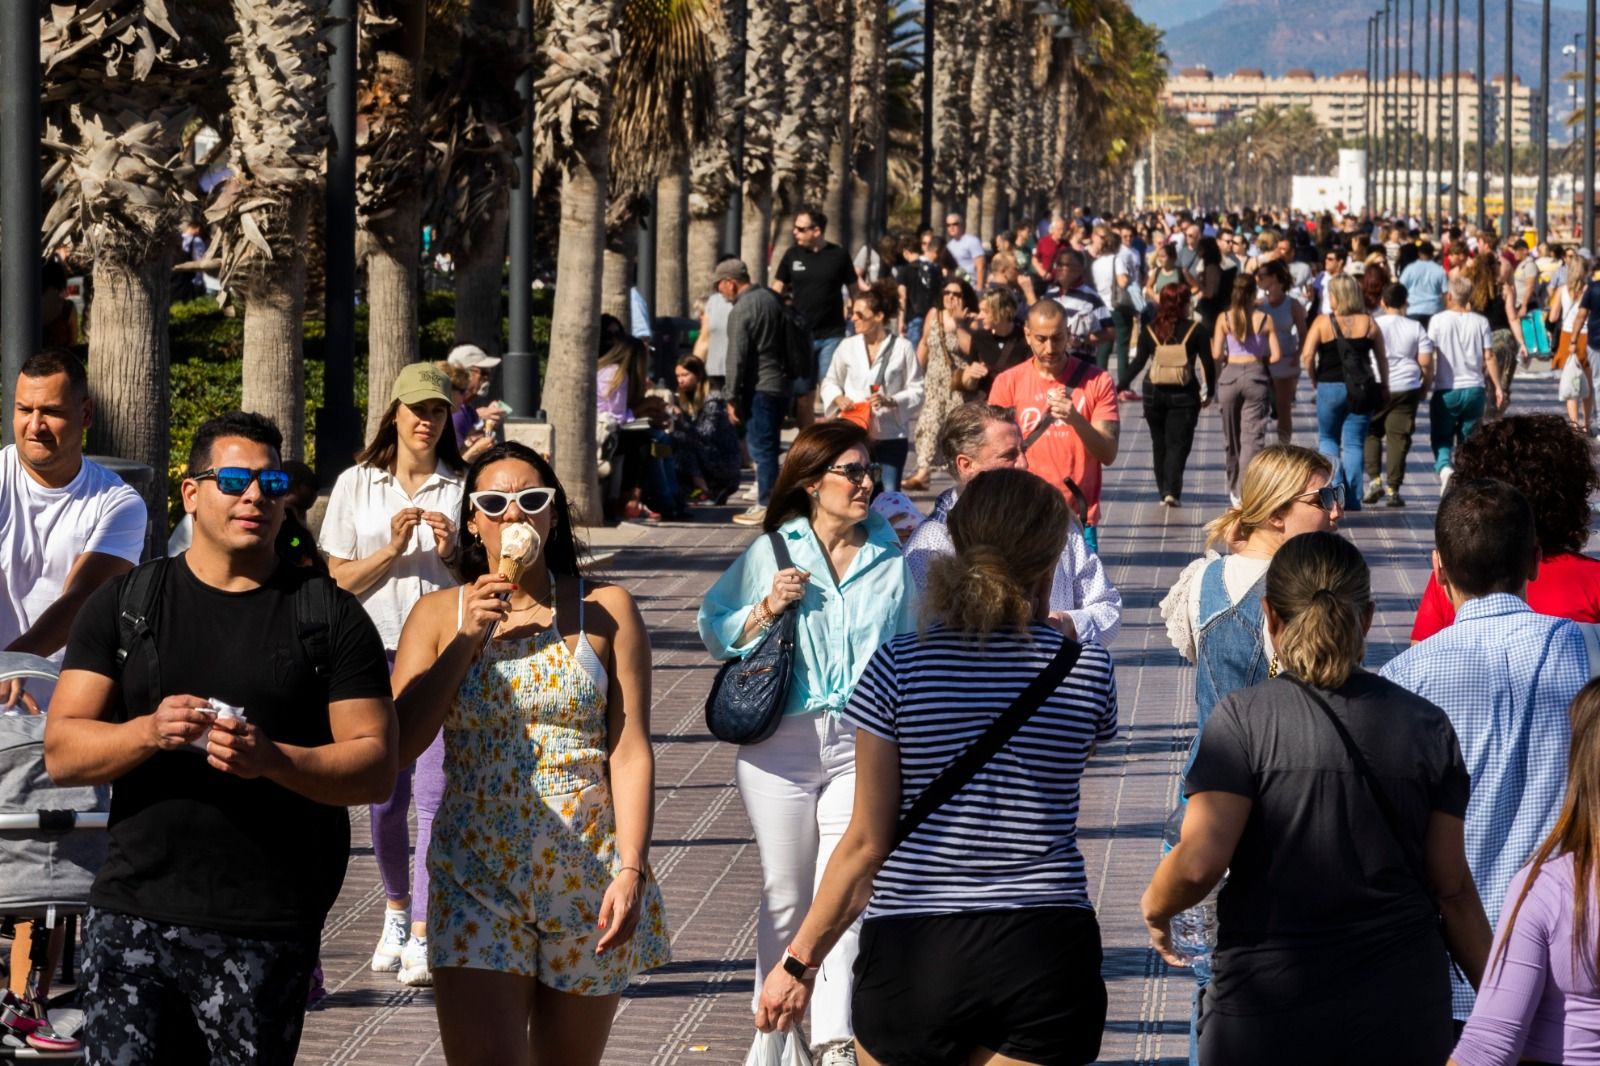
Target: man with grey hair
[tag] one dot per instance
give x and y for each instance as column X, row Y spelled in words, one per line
column 758, row 381
column 966, row 249
column 978, row 437
column 1464, row 366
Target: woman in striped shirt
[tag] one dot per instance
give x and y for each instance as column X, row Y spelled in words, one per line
column 979, row 936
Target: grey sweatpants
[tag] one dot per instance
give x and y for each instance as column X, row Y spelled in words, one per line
column 1244, row 392
column 157, row 994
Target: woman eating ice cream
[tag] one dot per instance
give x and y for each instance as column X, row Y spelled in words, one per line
column 542, row 904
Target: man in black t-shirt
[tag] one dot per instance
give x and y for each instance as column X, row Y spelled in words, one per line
column 818, row 276
column 228, row 832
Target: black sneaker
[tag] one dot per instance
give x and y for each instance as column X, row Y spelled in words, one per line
column 1393, row 499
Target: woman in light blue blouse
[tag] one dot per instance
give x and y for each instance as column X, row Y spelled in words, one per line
column 851, row 587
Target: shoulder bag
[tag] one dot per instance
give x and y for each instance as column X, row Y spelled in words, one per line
column 1171, row 365
column 745, row 705
column 1363, row 391
column 954, row 777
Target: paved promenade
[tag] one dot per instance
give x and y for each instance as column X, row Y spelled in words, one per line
column 696, row 1010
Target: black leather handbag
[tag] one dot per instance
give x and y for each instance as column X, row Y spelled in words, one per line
column 747, row 697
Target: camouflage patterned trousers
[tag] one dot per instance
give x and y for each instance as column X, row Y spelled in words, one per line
column 175, row 995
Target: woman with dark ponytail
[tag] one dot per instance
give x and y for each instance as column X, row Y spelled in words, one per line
column 980, row 942
column 1334, row 800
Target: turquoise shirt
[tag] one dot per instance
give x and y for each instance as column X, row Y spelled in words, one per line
column 840, row 626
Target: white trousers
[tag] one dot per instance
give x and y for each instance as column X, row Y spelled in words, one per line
column 799, row 787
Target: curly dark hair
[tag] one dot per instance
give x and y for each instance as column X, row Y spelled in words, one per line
column 1549, row 462
column 561, row 551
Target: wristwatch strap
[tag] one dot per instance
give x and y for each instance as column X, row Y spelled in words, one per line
column 796, row 967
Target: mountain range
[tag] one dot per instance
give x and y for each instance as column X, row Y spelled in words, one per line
column 1331, row 35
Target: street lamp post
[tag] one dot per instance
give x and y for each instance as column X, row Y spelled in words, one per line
column 1411, row 95
column 1387, row 113
column 1455, row 112
column 927, row 112
column 1588, row 124
column 1482, row 216
column 1542, row 203
column 1507, row 212
column 1371, row 124
column 19, row 194
column 1427, row 71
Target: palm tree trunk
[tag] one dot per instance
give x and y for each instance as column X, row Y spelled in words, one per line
column 672, row 232
column 867, row 49
column 393, row 292
column 615, row 272
column 569, row 393
column 274, row 324
column 480, row 280
column 704, row 247
column 835, row 200
column 988, row 208
column 128, row 357
column 754, row 232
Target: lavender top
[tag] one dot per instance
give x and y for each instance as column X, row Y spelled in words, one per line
column 1541, row 1003
column 611, row 395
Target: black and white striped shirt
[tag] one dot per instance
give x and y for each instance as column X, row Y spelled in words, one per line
column 1008, row 838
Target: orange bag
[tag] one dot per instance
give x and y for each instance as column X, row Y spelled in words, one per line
column 859, row 413
column 1563, row 350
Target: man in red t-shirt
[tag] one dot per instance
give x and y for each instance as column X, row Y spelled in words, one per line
column 1044, row 253
column 1076, row 402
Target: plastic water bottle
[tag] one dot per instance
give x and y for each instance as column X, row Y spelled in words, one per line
column 1194, row 931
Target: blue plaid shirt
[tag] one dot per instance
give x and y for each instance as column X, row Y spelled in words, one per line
column 1505, row 676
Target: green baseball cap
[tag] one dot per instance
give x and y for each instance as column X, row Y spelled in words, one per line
column 419, row 382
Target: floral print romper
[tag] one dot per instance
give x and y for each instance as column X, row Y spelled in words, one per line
column 524, row 844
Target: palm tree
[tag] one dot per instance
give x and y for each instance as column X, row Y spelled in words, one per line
column 866, row 115
column 711, row 174
column 573, row 121
column 278, row 85
column 389, row 169
column 117, row 78
column 766, row 71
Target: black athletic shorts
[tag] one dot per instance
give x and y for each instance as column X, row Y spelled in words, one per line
column 1023, row 983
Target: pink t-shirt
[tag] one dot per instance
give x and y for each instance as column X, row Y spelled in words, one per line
column 1060, row 453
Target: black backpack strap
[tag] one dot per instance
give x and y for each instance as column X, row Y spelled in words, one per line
column 314, row 607
column 954, row 777
column 137, row 603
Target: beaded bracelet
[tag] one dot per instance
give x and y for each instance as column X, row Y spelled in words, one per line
column 762, row 615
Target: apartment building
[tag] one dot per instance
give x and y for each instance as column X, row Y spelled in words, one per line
column 1207, row 100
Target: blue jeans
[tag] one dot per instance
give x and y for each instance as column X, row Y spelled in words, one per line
column 765, row 424
column 1342, row 437
column 1453, row 414
column 822, row 348
column 914, row 330
column 891, row 455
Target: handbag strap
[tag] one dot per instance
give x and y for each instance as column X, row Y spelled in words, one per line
column 780, row 550
column 1391, row 817
column 961, row 771
column 883, row 357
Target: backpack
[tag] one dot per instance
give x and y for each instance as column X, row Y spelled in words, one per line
column 1363, row 391
column 1171, row 365
column 140, row 596
column 795, row 354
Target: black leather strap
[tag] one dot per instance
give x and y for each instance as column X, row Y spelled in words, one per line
column 1048, row 419
column 977, row 755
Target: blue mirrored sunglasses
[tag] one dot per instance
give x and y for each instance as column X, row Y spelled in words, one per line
column 235, row 480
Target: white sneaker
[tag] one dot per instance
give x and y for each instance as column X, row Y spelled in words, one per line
column 414, row 964
column 396, row 930
column 752, row 517
column 838, row 1053
column 750, row 492
column 1444, row 478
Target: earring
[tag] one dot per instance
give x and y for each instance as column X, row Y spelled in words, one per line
column 815, row 495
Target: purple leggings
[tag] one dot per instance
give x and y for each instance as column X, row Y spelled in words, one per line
column 425, row 780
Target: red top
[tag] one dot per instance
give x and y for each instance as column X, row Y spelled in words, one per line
column 1046, row 251
column 1059, row 453
column 1568, row 586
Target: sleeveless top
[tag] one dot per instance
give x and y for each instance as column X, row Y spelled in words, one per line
column 1254, row 346
column 1283, row 321
column 1495, row 312
column 1330, row 368
column 584, row 653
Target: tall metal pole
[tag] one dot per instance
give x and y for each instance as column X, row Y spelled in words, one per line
column 1508, row 209
column 338, row 425
column 1438, row 122
column 1371, row 119
column 733, row 221
column 1455, row 112
column 19, row 190
column 1411, row 96
column 1542, row 204
column 1386, row 112
column 520, row 376
column 1482, row 217
column 1422, row 120
column 1588, row 125
column 927, row 112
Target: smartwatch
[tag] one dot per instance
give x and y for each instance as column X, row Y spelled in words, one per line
column 796, row 967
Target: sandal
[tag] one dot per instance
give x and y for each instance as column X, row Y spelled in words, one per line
column 917, row 482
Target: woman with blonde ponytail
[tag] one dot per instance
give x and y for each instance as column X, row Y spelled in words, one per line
column 979, row 942
column 1334, row 800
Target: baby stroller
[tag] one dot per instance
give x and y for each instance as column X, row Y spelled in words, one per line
column 51, row 845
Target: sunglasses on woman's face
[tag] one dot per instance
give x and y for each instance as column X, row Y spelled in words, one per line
column 856, row 474
column 953, row 292
column 529, row 501
column 235, row 480
column 1324, row 498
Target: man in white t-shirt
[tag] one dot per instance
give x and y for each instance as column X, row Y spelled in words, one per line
column 1464, row 366
column 67, row 526
column 1410, row 352
column 966, row 249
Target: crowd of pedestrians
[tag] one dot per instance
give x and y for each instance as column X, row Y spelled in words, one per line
column 1354, row 833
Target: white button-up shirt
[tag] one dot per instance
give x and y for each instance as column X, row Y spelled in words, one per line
column 364, row 501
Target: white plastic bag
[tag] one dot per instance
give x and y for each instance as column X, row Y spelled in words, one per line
column 787, row 1048
column 1574, row 385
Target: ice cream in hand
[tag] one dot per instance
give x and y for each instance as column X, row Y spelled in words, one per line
column 519, row 547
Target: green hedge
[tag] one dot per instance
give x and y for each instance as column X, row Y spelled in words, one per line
column 207, row 360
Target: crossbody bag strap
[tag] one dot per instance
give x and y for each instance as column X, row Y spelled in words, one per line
column 1391, row 817
column 960, row 772
column 1048, row 419
column 780, row 550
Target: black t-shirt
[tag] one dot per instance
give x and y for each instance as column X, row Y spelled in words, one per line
column 921, row 280
column 1319, row 893
column 189, row 844
column 817, row 281
column 999, row 354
